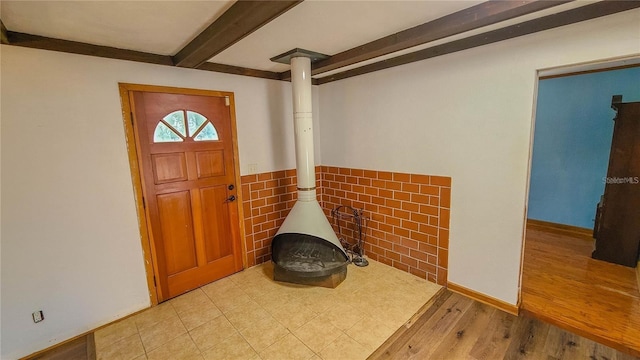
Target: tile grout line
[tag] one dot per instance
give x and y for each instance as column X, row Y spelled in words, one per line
column 243, row 291
column 185, row 326
column 239, row 332
column 144, row 348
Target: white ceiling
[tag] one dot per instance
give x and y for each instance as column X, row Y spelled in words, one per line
column 159, row 27
column 330, row 27
column 484, row 29
column 165, row 27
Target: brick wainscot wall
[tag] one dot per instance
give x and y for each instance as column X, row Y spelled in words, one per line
column 407, row 214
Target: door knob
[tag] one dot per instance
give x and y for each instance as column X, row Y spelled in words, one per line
column 231, row 187
column 231, row 198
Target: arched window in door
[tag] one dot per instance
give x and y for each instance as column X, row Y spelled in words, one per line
column 182, row 125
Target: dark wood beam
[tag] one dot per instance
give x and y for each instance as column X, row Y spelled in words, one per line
column 3, row 33
column 236, row 70
column 242, row 18
column 583, row 13
column 486, row 13
column 74, row 47
column 583, row 72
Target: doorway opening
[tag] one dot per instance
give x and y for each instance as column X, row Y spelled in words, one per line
column 571, row 140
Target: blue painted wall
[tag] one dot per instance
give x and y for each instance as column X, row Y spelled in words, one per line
column 571, row 143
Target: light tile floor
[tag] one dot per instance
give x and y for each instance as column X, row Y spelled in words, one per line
column 250, row 316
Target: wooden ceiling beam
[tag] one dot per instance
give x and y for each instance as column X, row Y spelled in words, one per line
column 583, row 13
column 483, row 14
column 75, row 47
column 4, row 39
column 568, row 17
column 242, row 18
column 236, row 70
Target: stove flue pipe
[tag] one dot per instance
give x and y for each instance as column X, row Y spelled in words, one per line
column 306, row 218
column 303, row 127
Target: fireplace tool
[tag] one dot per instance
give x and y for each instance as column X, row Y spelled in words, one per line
column 356, row 250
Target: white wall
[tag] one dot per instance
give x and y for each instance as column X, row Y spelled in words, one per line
column 0, row 209
column 466, row 115
column 70, row 239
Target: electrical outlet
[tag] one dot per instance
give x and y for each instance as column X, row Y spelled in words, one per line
column 38, row 316
column 253, row 169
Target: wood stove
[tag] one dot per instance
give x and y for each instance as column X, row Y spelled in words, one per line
column 305, row 249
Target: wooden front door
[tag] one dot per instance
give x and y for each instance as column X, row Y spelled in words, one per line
column 186, row 156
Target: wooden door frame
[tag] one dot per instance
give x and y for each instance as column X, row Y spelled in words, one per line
column 136, row 179
column 598, row 65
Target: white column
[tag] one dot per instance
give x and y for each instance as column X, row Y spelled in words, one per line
column 303, row 127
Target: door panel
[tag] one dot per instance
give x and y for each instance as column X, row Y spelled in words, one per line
column 210, row 163
column 186, row 156
column 169, row 167
column 177, row 231
column 215, row 222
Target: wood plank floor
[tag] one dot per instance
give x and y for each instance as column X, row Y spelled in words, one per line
column 563, row 285
column 81, row 348
column 456, row 327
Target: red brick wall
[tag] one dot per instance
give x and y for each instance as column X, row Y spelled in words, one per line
column 408, row 226
column 408, row 214
column 267, row 199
